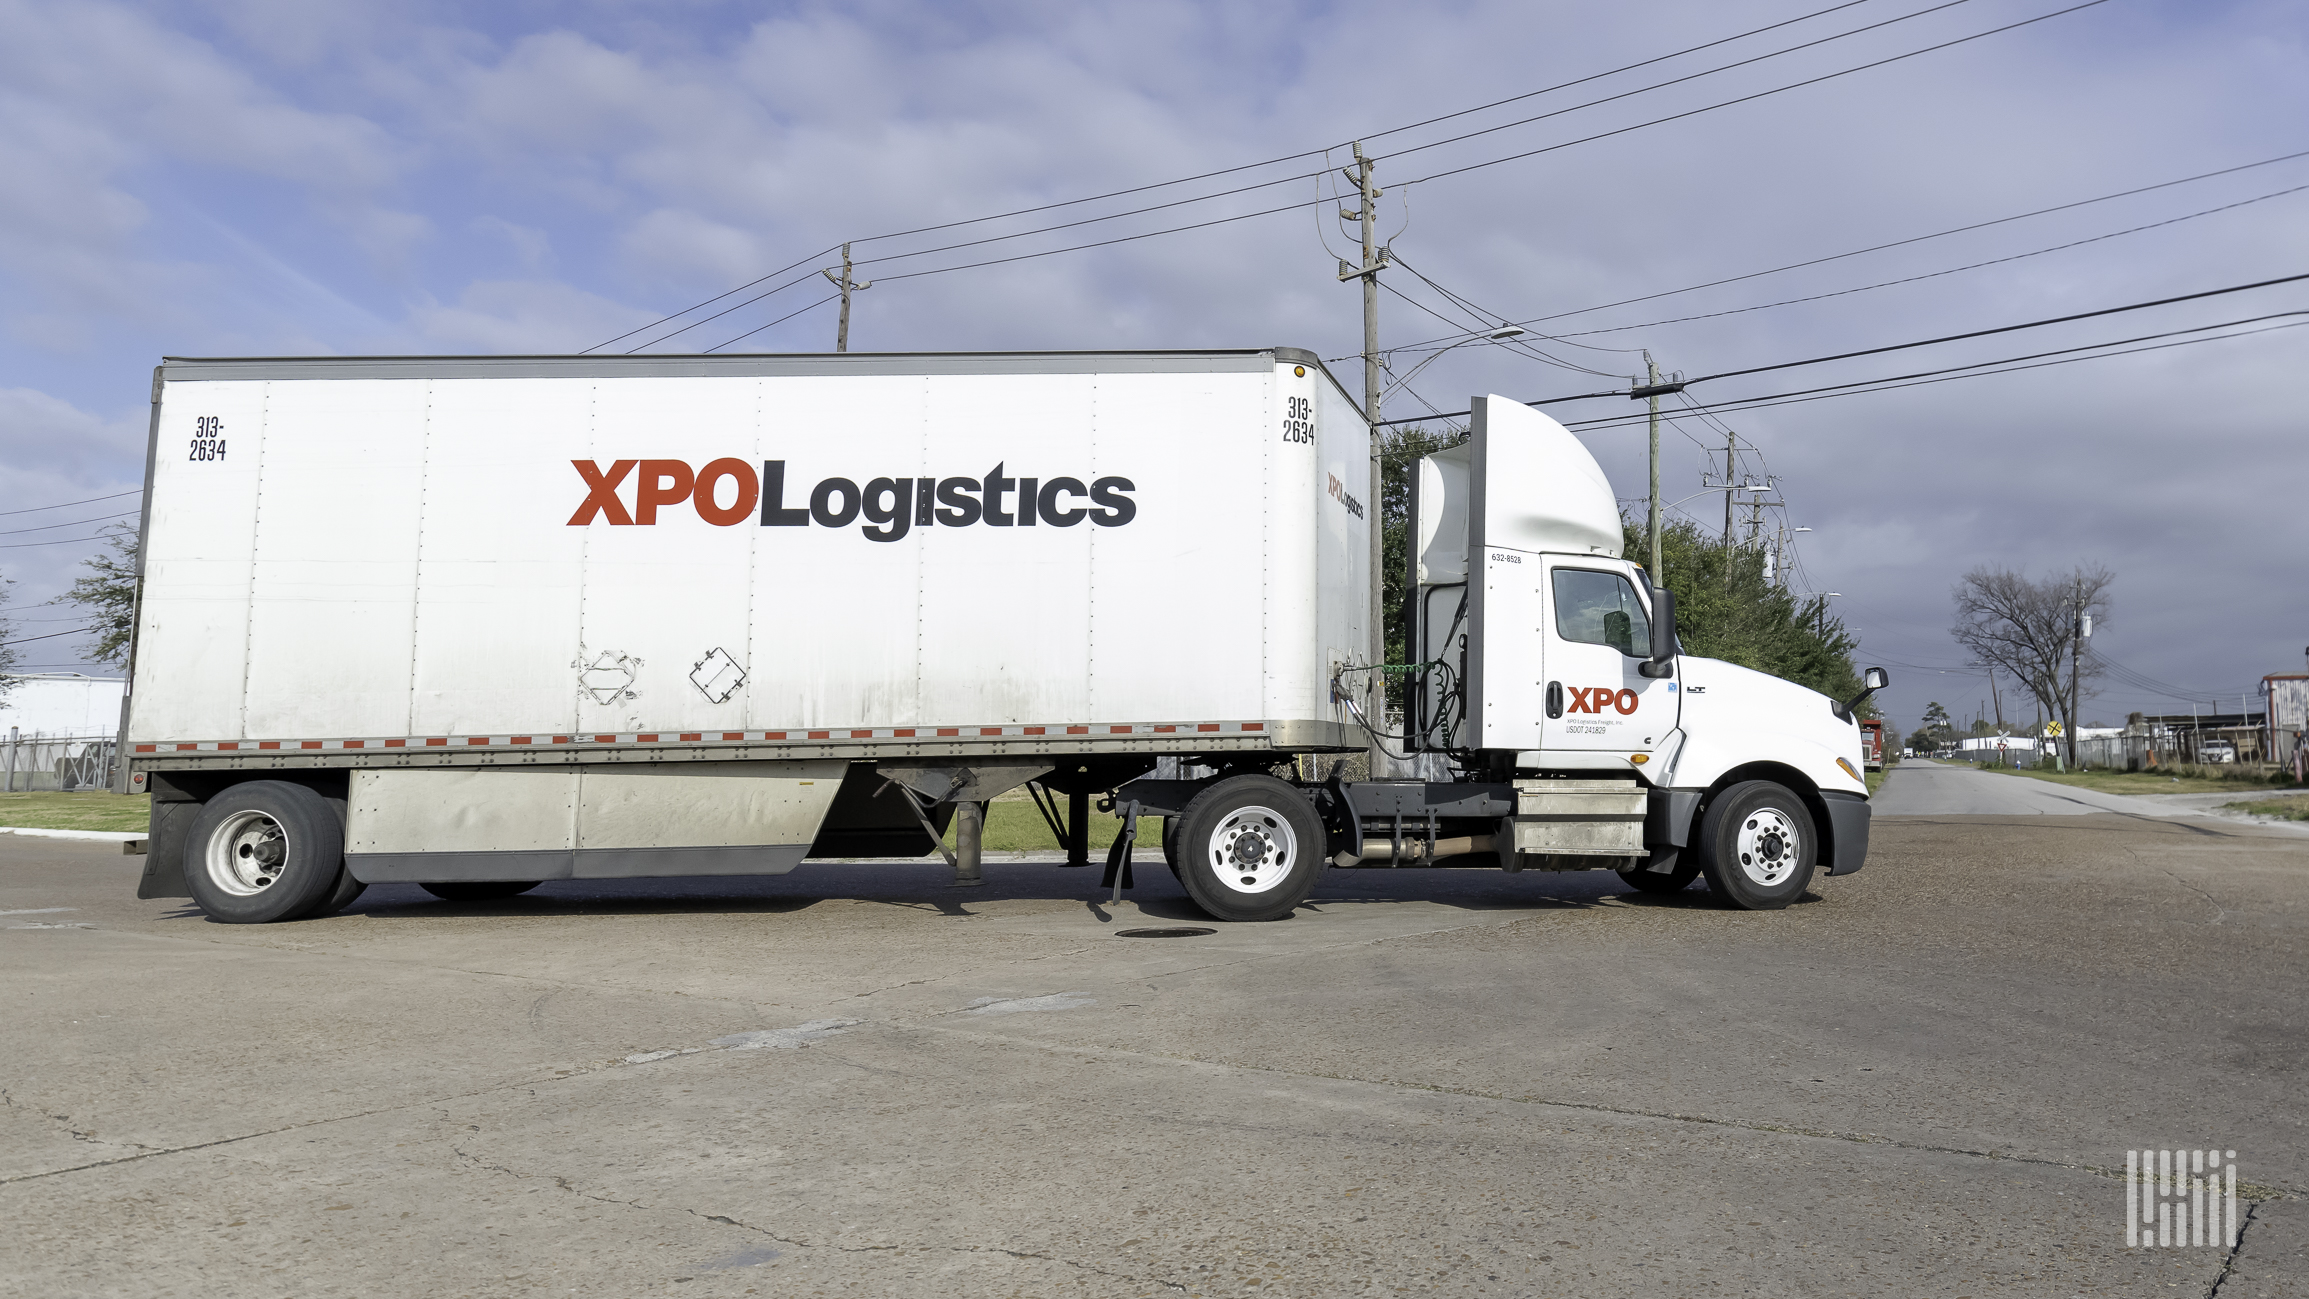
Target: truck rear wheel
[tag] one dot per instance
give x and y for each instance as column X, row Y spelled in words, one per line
column 1249, row 848
column 263, row 851
column 1758, row 846
column 339, row 896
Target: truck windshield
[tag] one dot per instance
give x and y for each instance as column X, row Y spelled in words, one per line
column 1600, row 609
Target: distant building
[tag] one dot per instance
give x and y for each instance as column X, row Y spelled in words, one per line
column 2287, row 697
column 61, row 705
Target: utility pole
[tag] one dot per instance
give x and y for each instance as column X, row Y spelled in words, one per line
column 2077, row 632
column 1998, row 700
column 1731, row 476
column 1652, row 378
column 1374, row 259
column 842, row 330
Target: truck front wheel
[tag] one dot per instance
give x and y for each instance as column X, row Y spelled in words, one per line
column 1757, row 846
column 262, row 851
column 1249, row 848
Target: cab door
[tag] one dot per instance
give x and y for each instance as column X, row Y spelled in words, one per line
column 1597, row 631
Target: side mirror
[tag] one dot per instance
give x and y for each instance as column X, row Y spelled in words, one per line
column 1662, row 662
column 1871, row 681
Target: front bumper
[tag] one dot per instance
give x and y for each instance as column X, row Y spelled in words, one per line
column 1847, row 846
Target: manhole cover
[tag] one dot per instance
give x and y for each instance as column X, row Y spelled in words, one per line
column 1176, row 931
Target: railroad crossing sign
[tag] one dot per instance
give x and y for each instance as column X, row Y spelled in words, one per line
column 2052, row 728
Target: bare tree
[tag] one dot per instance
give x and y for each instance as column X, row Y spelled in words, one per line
column 2030, row 630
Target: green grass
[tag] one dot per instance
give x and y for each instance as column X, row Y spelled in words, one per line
column 2221, row 779
column 2295, row 808
column 1012, row 825
column 75, row 811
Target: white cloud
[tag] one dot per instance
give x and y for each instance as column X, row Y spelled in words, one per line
column 521, row 316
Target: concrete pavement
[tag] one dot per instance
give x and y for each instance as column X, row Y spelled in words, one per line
column 849, row 1080
column 1922, row 787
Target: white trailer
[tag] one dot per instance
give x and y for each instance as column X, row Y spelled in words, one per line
column 477, row 623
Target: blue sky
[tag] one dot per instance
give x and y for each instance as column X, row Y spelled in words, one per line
column 270, row 178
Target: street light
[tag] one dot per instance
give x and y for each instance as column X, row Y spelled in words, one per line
column 1500, row 335
column 1825, row 597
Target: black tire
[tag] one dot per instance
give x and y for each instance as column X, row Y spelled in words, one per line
column 1758, row 846
column 262, row 851
column 338, row 898
column 1645, row 880
column 478, row 890
column 1249, row 828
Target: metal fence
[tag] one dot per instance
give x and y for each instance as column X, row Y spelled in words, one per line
column 36, row 761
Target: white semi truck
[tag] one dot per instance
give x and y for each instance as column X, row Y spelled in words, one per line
column 477, row 623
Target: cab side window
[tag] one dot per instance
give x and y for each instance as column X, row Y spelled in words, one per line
column 1601, row 609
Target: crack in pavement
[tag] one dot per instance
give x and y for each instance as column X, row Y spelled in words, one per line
column 565, row 1184
column 2257, row 1192
column 2229, row 1263
column 76, row 1134
column 2220, row 913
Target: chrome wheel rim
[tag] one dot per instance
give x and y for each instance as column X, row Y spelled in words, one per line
column 1769, row 846
column 247, row 854
column 1252, row 849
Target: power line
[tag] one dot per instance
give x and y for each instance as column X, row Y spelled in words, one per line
column 1763, row 94
column 1897, row 243
column 25, row 640
column 61, row 541
column 1598, row 76
column 2005, row 329
column 1456, row 171
column 1930, row 275
column 74, row 524
column 1242, row 167
column 35, row 509
column 1621, row 421
column 1287, row 180
column 1976, row 370
column 712, row 300
column 1480, row 313
column 779, row 321
column 1931, row 342
column 1661, row 85
column 802, row 279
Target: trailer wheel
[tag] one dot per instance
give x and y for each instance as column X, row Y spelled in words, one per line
column 1249, row 848
column 1758, row 846
column 478, row 890
column 263, row 851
